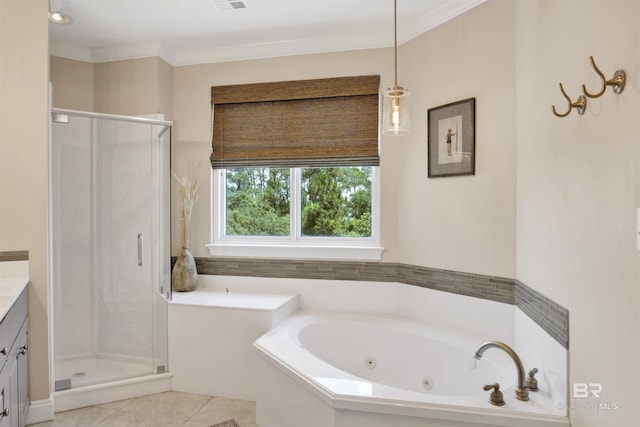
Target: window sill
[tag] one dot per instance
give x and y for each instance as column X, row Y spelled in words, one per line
column 296, row 251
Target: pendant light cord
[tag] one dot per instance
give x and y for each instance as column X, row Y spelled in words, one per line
column 395, row 40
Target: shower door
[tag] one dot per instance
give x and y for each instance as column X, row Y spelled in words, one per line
column 111, row 259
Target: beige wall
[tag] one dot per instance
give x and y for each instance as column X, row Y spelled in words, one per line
column 461, row 223
column 23, row 162
column 72, row 83
column 133, row 87
column 464, row 223
column 192, row 121
column 165, row 89
column 579, row 187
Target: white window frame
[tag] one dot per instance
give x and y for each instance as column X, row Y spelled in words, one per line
column 294, row 245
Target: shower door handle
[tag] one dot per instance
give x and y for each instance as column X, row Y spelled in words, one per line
column 139, row 249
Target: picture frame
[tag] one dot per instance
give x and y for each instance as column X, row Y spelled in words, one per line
column 451, row 146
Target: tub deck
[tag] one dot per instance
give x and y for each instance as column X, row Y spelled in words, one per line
column 316, row 390
column 210, row 335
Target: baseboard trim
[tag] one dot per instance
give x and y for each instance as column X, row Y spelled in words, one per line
column 40, row 411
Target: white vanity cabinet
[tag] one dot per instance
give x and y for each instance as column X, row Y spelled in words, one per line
column 14, row 363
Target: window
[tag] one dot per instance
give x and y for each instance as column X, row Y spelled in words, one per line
column 334, row 202
column 295, row 169
column 257, row 202
column 296, row 212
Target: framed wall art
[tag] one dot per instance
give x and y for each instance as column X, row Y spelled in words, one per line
column 451, row 137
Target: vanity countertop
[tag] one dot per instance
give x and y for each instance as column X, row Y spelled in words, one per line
column 14, row 277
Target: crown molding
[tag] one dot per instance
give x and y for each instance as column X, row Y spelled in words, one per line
column 69, row 51
column 291, row 47
column 436, row 17
column 219, row 53
column 113, row 53
column 133, row 51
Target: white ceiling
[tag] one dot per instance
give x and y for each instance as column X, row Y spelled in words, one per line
column 187, row 32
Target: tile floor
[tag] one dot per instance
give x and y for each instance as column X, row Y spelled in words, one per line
column 169, row 409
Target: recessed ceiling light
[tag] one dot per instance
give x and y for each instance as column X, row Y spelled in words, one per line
column 59, row 18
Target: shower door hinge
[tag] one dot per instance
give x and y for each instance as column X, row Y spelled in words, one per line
column 60, row 118
column 63, row 385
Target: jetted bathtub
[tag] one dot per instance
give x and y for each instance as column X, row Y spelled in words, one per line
column 351, row 370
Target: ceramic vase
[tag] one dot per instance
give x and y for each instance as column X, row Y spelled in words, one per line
column 184, row 277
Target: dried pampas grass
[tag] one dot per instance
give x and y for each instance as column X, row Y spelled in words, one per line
column 189, row 187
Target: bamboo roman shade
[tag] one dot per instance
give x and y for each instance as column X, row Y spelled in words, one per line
column 325, row 122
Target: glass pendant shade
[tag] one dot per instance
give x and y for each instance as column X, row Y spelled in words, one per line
column 395, row 111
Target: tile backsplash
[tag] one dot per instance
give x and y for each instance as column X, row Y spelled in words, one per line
column 551, row 317
column 14, row 256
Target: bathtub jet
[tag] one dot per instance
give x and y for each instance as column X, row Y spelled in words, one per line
column 521, row 392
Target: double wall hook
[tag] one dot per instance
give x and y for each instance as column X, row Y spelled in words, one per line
column 617, row 82
column 580, row 104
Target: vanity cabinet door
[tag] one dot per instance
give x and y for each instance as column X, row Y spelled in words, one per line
column 13, row 393
column 23, row 373
column 14, row 364
column 17, row 367
column 4, row 399
column 16, row 390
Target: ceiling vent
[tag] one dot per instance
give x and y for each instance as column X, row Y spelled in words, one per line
column 230, row 4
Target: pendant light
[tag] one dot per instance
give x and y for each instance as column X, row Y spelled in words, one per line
column 396, row 99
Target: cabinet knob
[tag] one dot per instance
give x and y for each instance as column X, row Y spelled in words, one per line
column 4, row 351
column 4, row 413
column 23, row 350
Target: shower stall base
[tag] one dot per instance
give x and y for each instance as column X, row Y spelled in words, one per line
column 96, row 394
column 85, row 370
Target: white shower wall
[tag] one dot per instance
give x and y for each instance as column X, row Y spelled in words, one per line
column 72, row 273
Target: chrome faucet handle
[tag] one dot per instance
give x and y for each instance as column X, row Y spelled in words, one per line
column 496, row 397
column 532, row 383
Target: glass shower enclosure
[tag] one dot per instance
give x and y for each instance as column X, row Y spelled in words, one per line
column 110, row 232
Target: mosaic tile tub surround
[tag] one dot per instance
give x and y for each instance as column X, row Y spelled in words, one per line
column 14, row 256
column 550, row 316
